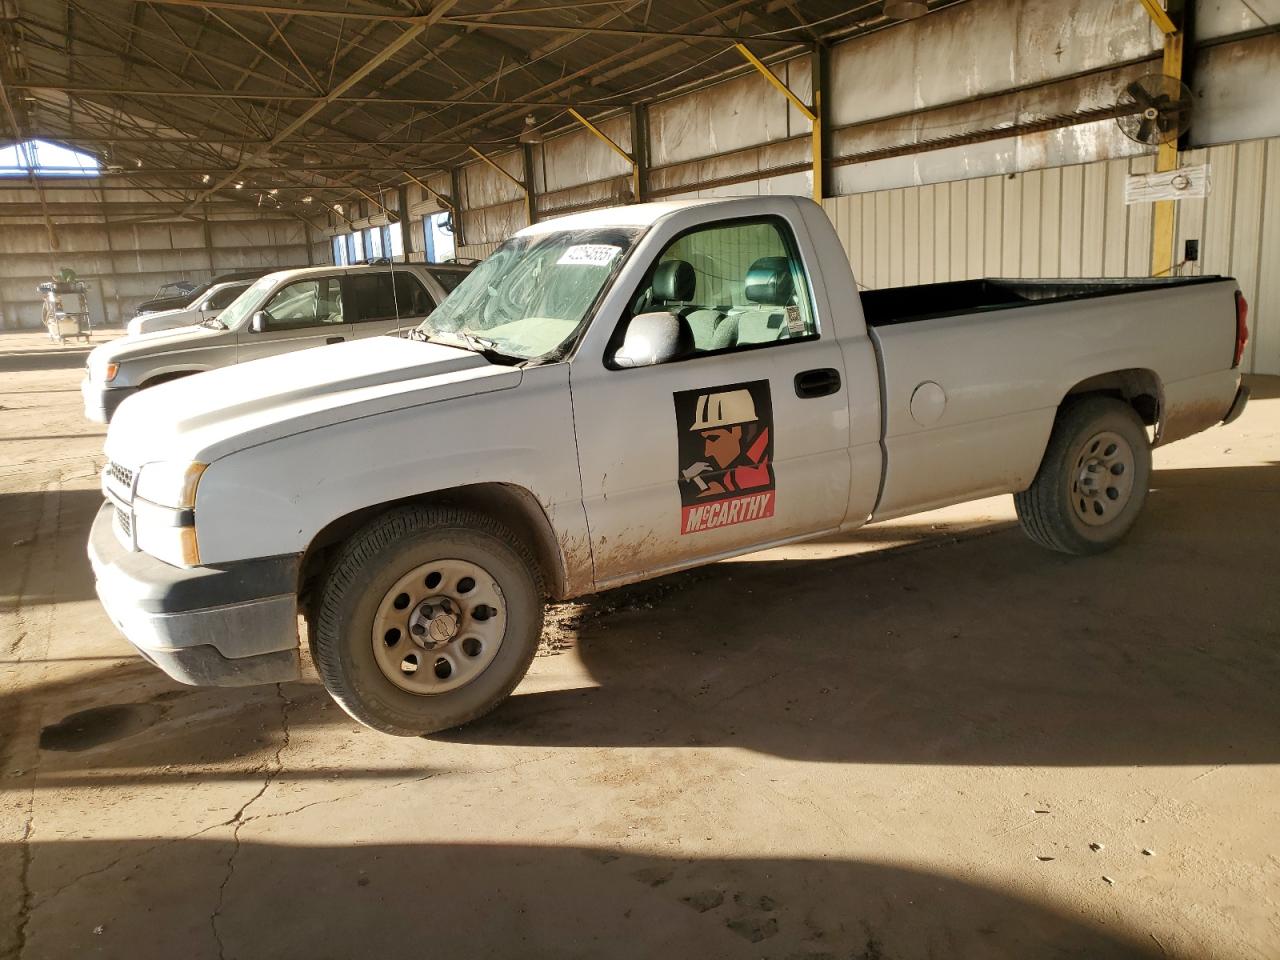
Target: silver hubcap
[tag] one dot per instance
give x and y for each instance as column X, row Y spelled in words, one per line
column 1101, row 481
column 439, row 626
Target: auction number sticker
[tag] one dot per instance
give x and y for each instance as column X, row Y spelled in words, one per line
column 590, row 254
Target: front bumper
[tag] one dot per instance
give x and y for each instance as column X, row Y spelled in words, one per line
column 101, row 401
column 228, row 626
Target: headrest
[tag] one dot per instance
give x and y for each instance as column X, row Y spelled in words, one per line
column 674, row 280
column 769, row 281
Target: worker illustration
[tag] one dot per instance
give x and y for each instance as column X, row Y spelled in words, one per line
column 735, row 445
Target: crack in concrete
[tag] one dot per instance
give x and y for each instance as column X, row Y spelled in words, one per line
column 24, row 905
column 272, row 771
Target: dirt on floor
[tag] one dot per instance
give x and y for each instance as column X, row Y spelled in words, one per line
column 929, row 739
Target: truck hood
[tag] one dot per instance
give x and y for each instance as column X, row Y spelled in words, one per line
column 213, row 414
column 151, row 344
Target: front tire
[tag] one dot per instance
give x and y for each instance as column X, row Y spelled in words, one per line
column 428, row 618
column 1093, row 480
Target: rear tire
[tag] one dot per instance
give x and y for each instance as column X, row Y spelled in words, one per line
column 428, row 618
column 1093, row 480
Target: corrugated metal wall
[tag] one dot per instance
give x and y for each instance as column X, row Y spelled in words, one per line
column 1073, row 222
column 127, row 262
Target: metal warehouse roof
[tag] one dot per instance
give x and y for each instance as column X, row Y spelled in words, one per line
column 188, row 98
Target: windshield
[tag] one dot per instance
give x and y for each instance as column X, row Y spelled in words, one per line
column 531, row 296
column 239, row 309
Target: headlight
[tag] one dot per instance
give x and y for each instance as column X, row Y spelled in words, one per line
column 166, row 534
column 170, row 483
column 159, row 532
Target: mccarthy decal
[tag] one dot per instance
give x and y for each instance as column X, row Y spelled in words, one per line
column 726, row 455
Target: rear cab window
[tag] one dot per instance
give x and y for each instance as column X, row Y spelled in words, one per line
column 387, row 296
column 448, row 279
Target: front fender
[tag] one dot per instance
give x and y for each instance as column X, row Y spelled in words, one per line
column 275, row 497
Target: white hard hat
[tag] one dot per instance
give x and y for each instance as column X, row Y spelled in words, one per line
column 723, row 410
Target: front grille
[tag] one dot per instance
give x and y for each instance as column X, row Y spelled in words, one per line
column 126, row 524
column 121, row 475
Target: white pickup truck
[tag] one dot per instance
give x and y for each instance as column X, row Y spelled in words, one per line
column 612, row 396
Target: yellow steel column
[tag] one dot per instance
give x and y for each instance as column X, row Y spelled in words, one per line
column 811, row 112
column 1164, row 214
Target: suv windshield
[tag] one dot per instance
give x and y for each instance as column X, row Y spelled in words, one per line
column 243, row 305
column 530, row 298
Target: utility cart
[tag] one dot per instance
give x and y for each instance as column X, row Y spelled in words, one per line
column 66, row 309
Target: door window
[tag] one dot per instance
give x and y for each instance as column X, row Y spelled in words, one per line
column 449, row 279
column 384, row 296
column 735, row 285
column 224, row 297
column 305, row 303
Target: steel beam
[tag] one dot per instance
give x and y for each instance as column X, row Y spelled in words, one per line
column 608, row 141
column 389, row 51
column 813, row 112
column 267, row 96
column 31, row 170
column 474, row 21
column 1158, row 15
column 524, row 187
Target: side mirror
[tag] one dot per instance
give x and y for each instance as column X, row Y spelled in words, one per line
column 259, row 322
column 653, row 338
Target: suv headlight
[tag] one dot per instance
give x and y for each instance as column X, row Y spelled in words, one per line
column 170, row 483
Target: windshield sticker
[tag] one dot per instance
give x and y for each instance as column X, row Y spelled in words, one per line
column 590, row 255
column 725, row 449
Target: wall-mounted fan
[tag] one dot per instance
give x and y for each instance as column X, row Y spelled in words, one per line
column 1154, row 109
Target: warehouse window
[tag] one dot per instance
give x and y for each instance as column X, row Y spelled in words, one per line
column 437, row 232
column 46, row 160
column 340, row 251
column 395, row 240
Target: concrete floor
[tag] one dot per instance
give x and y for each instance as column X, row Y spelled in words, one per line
column 896, row 745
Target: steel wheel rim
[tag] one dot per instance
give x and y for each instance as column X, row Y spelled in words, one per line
column 1100, row 484
column 439, row 626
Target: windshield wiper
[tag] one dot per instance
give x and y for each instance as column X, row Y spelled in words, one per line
column 489, row 349
column 469, row 341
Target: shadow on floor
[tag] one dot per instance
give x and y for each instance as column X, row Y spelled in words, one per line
column 987, row 651
column 212, row 897
column 58, row 358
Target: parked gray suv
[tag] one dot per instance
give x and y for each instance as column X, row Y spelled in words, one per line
column 283, row 311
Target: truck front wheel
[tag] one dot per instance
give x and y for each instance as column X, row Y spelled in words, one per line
column 428, row 619
column 1093, row 480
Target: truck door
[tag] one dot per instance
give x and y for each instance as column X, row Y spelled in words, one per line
column 740, row 442
column 305, row 313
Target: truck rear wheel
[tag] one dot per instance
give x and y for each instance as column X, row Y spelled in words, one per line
column 1093, row 480
column 428, row 619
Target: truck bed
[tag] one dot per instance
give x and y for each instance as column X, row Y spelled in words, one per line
column 927, row 301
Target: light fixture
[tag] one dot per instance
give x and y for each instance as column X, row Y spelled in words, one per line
column 530, row 133
column 337, row 208
column 273, row 191
column 205, row 179
column 239, row 184
column 138, row 163
column 308, row 198
column 905, row 9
